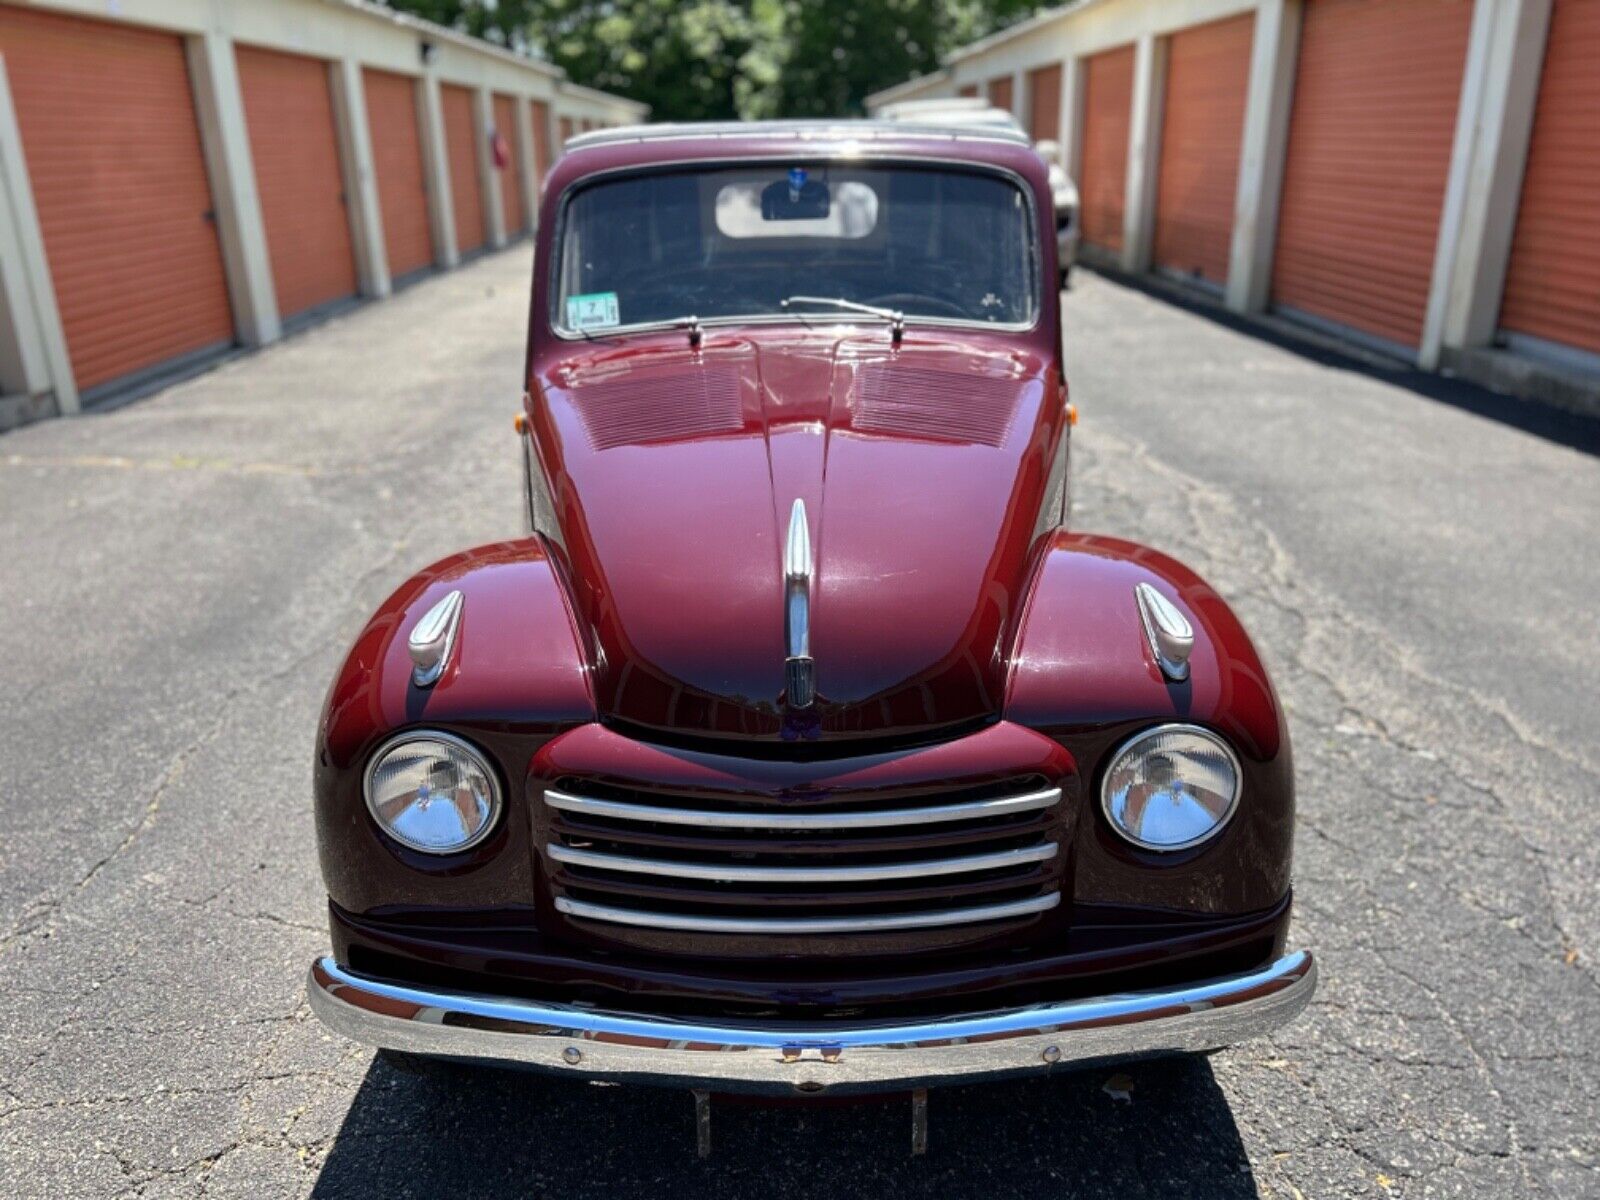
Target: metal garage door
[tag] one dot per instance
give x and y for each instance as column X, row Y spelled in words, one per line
column 541, row 139
column 1044, row 103
column 1369, row 149
column 510, row 175
column 1107, row 94
column 1553, row 284
column 119, row 181
column 1000, row 92
column 1202, row 122
column 288, row 106
column 565, row 125
column 397, row 161
column 461, row 140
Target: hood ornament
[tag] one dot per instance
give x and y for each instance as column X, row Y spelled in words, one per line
column 800, row 671
column 433, row 638
column 1168, row 631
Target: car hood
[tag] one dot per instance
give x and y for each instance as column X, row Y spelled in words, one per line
column 674, row 471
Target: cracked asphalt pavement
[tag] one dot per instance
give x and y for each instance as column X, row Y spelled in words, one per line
column 181, row 575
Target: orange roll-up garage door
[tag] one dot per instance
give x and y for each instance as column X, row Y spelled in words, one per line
column 510, row 175
column 1208, row 74
column 1107, row 96
column 119, row 181
column 397, row 161
column 1000, row 92
column 1370, row 138
column 541, row 139
column 461, row 140
column 1553, row 282
column 1044, row 103
column 288, row 106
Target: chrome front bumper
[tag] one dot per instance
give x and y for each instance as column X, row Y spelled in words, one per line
column 592, row 1045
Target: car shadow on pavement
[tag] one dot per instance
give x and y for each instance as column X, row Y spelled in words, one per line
column 1157, row 1128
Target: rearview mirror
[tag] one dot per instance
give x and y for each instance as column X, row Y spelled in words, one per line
column 784, row 201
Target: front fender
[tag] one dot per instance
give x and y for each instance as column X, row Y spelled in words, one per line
column 1083, row 672
column 517, row 677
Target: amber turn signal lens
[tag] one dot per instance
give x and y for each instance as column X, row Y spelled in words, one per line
column 1072, row 414
column 520, row 423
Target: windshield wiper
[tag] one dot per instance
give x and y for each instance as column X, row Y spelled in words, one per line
column 896, row 318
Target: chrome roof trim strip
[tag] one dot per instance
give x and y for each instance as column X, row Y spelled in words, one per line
column 870, row 819
column 881, row 923
column 726, row 872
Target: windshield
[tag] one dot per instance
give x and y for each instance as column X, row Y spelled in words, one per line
column 934, row 243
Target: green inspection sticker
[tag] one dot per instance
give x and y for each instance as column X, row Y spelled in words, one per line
column 597, row 310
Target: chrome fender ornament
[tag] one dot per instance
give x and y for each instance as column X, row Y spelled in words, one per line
column 799, row 670
column 1168, row 631
column 433, row 639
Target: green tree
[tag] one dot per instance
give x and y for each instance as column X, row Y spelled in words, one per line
column 709, row 59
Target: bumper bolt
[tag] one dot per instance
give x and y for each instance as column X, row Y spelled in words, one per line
column 1051, row 1054
column 572, row 1056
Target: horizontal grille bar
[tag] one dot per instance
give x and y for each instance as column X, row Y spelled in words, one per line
column 869, row 819
column 864, row 924
column 731, row 873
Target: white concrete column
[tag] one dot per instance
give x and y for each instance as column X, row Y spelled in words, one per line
column 360, row 177
column 1021, row 101
column 488, row 177
column 1499, row 91
column 225, row 138
column 33, row 344
column 1144, row 152
column 1274, row 52
column 1072, row 81
column 436, row 170
column 527, row 167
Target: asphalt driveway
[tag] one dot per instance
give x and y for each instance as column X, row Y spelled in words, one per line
column 181, row 576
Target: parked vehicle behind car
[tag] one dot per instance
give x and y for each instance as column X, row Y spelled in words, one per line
column 962, row 111
column 800, row 745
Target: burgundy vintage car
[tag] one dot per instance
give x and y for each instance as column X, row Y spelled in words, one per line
column 801, row 746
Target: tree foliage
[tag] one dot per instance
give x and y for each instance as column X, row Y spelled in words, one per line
column 707, row 59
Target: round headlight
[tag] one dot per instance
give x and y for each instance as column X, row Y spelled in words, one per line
column 1171, row 787
column 432, row 792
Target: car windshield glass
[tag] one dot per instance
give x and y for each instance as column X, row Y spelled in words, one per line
column 935, row 243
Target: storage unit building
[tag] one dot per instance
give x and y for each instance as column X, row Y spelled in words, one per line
column 1103, row 166
column 1416, row 175
column 466, row 193
column 1202, row 124
column 179, row 178
column 1375, row 100
column 509, row 173
column 401, row 177
column 1552, row 291
column 1000, row 92
column 1044, row 103
column 124, row 203
column 295, row 150
column 542, row 155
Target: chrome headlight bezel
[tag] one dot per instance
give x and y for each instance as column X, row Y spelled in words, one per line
column 1131, row 746
column 478, row 757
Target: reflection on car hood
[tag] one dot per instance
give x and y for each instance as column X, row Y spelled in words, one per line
column 674, row 473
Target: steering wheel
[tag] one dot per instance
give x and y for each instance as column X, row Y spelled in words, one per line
column 899, row 300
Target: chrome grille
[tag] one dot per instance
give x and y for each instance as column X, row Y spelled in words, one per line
column 749, row 865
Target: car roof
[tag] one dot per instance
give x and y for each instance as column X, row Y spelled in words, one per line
column 792, row 131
